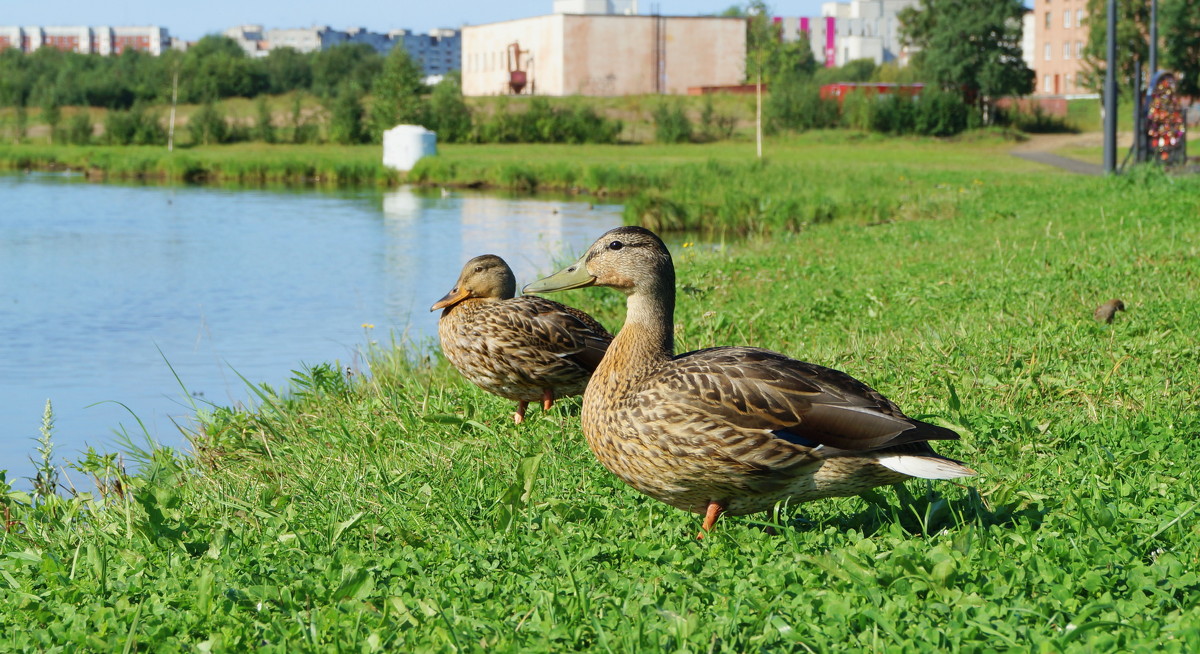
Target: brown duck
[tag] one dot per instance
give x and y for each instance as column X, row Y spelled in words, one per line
column 525, row 348
column 730, row 429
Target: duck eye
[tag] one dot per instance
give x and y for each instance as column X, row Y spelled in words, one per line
column 478, row 268
column 616, row 245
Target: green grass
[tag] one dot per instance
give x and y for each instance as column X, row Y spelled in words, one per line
column 333, row 165
column 403, row 510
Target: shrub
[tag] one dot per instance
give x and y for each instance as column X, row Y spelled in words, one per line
column 346, row 118
column 671, row 124
column 449, row 114
column 542, row 122
column 939, row 113
column 715, row 126
column 795, row 103
column 1036, row 121
column 264, row 130
column 78, row 130
column 207, row 126
column 133, row 127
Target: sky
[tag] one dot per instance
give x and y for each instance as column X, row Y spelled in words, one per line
column 192, row 19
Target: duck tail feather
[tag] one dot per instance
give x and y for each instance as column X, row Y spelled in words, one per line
column 925, row 467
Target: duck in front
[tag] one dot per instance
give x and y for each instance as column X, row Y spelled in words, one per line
column 730, row 430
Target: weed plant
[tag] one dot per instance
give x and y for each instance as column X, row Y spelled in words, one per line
column 402, row 510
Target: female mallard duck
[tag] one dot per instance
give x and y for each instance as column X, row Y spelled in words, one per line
column 521, row 348
column 730, row 429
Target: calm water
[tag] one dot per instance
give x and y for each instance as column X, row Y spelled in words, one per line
column 102, row 285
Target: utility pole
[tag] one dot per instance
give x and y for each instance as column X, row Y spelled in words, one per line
column 1153, row 37
column 1110, row 93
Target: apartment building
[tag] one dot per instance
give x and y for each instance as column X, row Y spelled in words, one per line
column 1061, row 33
column 845, row 31
column 86, row 40
column 439, row 52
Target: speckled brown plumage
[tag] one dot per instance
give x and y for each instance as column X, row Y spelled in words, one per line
column 525, row 348
column 738, row 428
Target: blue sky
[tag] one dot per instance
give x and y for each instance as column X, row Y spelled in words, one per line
column 193, row 19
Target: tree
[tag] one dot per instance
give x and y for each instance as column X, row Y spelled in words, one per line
column 766, row 51
column 969, row 46
column 346, row 117
column 1180, row 30
column 356, row 63
column 51, row 113
column 287, row 70
column 397, row 93
column 264, row 129
column 1133, row 36
column 217, row 67
column 449, row 114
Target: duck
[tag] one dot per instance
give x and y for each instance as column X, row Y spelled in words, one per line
column 730, row 430
column 526, row 348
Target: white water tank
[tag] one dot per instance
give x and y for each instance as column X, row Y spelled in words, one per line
column 404, row 145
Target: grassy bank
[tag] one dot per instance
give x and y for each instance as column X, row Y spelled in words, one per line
column 244, row 163
column 404, row 511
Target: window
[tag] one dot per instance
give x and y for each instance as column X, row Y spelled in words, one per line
column 1046, row 83
column 1066, row 50
column 1078, row 18
column 1079, row 49
column 1067, row 19
column 1047, row 52
column 1047, row 20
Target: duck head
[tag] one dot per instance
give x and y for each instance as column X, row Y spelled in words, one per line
column 629, row 259
column 486, row 276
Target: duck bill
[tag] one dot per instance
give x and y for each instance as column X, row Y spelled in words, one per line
column 456, row 295
column 573, row 276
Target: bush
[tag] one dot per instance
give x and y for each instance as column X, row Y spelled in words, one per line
column 264, row 130
column 78, row 130
column 1036, row 121
column 795, row 103
column 449, row 114
column 133, row 127
column 939, row 113
column 542, row 122
column 346, row 118
column 715, row 126
column 207, row 126
column 671, row 124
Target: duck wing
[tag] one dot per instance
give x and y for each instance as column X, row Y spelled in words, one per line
column 563, row 332
column 771, row 413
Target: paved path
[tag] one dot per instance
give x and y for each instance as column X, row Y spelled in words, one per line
column 1066, row 163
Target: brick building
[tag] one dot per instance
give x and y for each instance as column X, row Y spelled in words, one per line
column 1061, row 34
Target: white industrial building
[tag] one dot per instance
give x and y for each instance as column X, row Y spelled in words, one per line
column 845, row 31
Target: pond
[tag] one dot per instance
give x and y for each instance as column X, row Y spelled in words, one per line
column 108, row 292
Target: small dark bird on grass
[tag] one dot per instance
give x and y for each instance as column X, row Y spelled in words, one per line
column 1105, row 312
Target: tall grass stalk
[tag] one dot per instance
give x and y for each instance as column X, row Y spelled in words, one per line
column 45, row 481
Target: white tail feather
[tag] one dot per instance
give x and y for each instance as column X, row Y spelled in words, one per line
column 925, row 467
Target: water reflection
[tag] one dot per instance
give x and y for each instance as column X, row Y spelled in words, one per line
column 97, row 279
